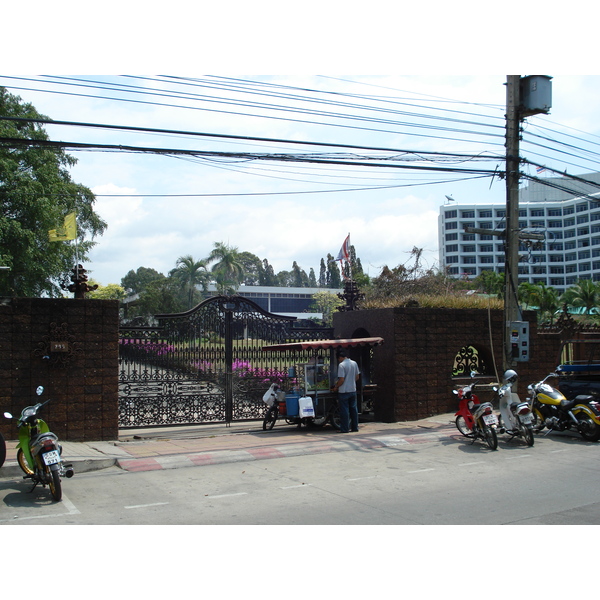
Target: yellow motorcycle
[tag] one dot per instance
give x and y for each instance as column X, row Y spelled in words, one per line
column 554, row 412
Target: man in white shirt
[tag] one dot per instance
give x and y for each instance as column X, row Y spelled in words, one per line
column 348, row 374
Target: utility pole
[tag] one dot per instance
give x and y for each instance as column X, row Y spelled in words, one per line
column 525, row 96
column 511, row 264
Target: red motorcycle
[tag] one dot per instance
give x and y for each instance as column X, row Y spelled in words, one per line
column 474, row 419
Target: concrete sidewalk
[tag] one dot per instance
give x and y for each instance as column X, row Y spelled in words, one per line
column 176, row 447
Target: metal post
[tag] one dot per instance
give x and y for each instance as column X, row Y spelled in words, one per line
column 511, row 265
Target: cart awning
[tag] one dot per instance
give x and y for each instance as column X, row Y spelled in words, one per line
column 327, row 344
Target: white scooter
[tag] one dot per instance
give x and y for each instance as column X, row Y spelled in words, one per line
column 516, row 418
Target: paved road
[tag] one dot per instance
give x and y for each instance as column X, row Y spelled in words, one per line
column 442, row 481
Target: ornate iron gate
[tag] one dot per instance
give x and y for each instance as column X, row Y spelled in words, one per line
column 205, row 365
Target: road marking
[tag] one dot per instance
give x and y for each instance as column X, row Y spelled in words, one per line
column 555, row 451
column 230, row 495
column 478, row 462
column 516, row 457
column 146, row 505
column 421, row 471
column 361, row 478
column 65, row 502
column 289, row 487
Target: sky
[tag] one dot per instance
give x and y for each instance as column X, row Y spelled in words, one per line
column 159, row 208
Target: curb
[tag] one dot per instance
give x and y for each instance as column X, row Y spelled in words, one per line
column 177, row 461
column 11, row 468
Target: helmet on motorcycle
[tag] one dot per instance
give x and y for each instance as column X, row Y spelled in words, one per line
column 510, row 376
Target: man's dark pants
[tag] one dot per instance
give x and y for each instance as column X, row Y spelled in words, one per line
column 348, row 411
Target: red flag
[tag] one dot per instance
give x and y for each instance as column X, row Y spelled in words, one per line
column 345, row 250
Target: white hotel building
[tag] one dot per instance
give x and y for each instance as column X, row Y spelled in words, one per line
column 569, row 222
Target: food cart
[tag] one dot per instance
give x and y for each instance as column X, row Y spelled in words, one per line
column 314, row 379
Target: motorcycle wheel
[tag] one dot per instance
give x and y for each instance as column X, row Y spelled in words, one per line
column 588, row 429
column 336, row 418
column 270, row 418
column 461, row 425
column 527, row 431
column 538, row 421
column 491, row 437
column 318, row 421
column 23, row 462
column 54, row 483
column 2, row 450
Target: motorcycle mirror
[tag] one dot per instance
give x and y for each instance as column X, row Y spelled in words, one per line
column 455, row 392
column 8, row 415
column 473, row 373
column 40, row 390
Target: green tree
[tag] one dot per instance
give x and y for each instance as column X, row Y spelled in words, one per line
column 227, row 268
column 334, row 278
column 161, row 296
column 252, row 266
column 325, row 303
column 322, row 274
column 136, row 282
column 267, row 274
column 36, row 193
column 585, row 293
column 191, row 273
column 112, row 291
column 490, row 282
column 299, row 277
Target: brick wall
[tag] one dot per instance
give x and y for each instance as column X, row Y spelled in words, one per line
column 413, row 368
column 71, row 348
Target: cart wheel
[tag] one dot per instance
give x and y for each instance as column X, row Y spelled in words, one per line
column 270, row 419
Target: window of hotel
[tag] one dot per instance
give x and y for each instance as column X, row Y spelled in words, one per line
column 451, row 225
column 451, row 236
column 554, row 212
column 467, row 214
column 582, row 206
column 536, row 212
column 485, row 214
column 450, row 214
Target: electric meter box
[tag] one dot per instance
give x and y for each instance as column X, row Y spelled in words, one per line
column 519, row 340
column 536, row 95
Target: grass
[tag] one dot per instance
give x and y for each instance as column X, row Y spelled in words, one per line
column 436, row 301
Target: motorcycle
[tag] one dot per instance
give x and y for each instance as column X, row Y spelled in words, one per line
column 39, row 453
column 516, row 417
column 474, row 419
column 553, row 411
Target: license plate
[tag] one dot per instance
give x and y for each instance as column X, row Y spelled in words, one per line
column 52, row 457
column 526, row 419
column 490, row 419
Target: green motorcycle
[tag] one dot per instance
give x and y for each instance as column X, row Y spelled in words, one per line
column 39, row 453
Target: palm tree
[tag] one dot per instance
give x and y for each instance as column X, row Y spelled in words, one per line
column 544, row 299
column 585, row 293
column 228, row 268
column 190, row 273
